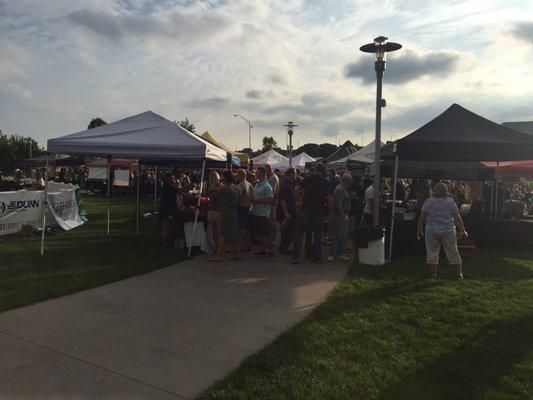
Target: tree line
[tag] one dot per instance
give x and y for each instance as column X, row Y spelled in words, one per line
column 14, row 149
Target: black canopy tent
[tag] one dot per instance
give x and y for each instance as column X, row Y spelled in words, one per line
column 458, row 135
column 463, row 170
column 461, row 135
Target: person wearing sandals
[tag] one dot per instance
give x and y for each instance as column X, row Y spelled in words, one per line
column 229, row 220
column 441, row 217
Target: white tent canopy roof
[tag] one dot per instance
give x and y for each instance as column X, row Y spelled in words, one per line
column 143, row 136
column 365, row 155
column 271, row 157
column 298, row 162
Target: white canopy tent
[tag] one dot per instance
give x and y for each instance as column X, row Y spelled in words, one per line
column 364, row 155
column 271, row 157
column 298, row 162
column 145, row 137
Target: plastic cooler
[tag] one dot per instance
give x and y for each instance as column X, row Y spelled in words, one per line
column 371, row 244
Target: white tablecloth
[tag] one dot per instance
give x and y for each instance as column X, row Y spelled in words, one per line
column 202, row 237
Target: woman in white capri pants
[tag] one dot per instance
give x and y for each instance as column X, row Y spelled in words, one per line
column 441, row 216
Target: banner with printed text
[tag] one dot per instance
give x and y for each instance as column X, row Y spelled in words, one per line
column 64, row 208
column 24, row 207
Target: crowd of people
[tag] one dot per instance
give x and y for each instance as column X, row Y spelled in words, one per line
column 251, row 206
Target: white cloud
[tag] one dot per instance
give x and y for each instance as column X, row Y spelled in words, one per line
column 411, row 65
column 273, row 61
column 19, row 91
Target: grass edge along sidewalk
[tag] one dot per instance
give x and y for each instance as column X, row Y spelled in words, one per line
column 390, row 333
column 82, row 258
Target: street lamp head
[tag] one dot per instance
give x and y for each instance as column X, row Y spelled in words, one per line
column 380, row 47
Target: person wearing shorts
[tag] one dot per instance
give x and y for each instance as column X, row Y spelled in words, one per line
column 273, row 181
column 261, row 200
column 441, row 216
column 244, row 209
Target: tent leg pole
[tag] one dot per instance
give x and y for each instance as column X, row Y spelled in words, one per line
column 138, row 197
column 44, row 203
column 108, row 193
column 197, row 210
column 155, row 187
column 496, row 199
column 394, row 182
column 492, row 198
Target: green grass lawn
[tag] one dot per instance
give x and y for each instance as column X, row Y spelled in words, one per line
column 384, row 333
column 82, row 258
column 389, row 333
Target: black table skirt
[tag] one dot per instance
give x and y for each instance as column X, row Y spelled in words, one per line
column 503, row 233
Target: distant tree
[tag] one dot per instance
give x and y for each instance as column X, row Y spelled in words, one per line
column 269, row 143
column 317, row 150
column 96, row 122
column 14, row 149
column 326, row 149
column 283, row 152
column 309, row 148
column 246, row 150
column 186, row 124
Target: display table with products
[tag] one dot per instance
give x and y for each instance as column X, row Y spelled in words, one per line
column 203, row 237
column 509, row 233
column 512, row 232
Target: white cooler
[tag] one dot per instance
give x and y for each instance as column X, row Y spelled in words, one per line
column 374, row 254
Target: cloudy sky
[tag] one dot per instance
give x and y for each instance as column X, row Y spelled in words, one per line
column 63, row 62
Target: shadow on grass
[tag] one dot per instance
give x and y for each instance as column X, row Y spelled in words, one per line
column 473, row 369
column 349, row 300
column 489, row 264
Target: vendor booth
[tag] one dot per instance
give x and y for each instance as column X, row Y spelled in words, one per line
column 459, row 135
column 147, row 137
column 512, row 169
column 361, row 156
column 271, row 157
column 243, row 158
column 346, row 149
column 299, row 161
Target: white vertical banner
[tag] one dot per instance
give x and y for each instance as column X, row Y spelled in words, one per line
column 64, row 208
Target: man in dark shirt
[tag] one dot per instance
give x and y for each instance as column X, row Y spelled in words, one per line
column 287, row 210
column 334, row 180
column 168, row 210
column 315, row 204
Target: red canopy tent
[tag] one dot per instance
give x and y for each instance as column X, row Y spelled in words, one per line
column 517, row 169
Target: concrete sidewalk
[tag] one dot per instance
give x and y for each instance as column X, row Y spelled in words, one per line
column 163, row 335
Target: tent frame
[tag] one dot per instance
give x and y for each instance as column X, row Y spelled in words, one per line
column 44, row 203
column 197, row 209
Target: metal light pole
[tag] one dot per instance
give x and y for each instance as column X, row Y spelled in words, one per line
column 380, row 47
column 290, row 132
column 250, row 126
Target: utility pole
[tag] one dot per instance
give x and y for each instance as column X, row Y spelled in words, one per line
column 290, row 125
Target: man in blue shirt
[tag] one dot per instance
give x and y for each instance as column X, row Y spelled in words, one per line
column 261, row 201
